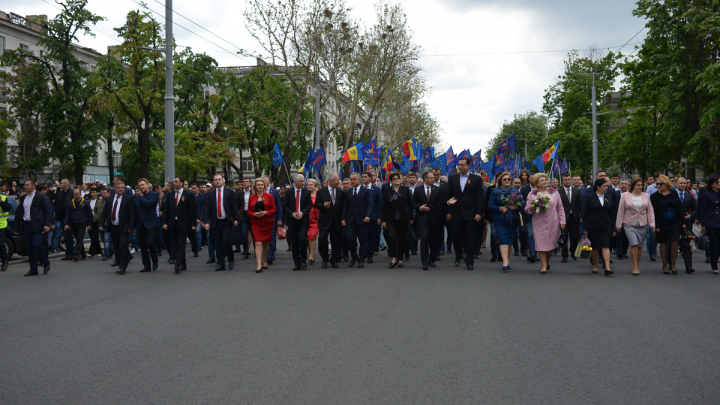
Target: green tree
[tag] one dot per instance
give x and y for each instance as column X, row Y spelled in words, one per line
column 676, row 74
column 133, row 79
column 58, row 83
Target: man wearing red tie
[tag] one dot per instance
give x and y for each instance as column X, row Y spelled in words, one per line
column 297, row 205
column 221, row 214
column 179, row 217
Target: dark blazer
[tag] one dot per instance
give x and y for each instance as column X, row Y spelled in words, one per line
column 240, row 200
column 61, row 200
column 146, row 209
column 230, row 204
column 126, row 214
column 41, row 213
column 709, row 209
column 688, row 206
column 596, row 216
column 306, row 205
column 359, row 207
column 377, row 202
column 577, row 202
column 185, row 211
column 278, row 204
column 437, row 205
column 402, row 204
column 330, row 218
column 470, row 202
column 79, row 213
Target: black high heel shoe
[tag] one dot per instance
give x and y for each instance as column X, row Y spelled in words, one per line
column 392, row 265
column 608, row 273
column 259, row 271
column 311, row 261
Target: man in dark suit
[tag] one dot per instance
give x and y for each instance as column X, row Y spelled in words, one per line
column 296, row 206
column 146, row 203
column 373, row 237
column 688, row 204
column 221, row 214
column 356, row 216
column 34, row 217
column 466, row 200
column 179, row 217
column 572, row 203
column 430, row 206
column 446, row 224
column 330, row 201
column 118, row 217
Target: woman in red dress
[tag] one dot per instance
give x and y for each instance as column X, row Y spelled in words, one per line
column 313, row 229
column 261, row 208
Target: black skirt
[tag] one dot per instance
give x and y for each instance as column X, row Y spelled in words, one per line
column 599, row 238
column 669, row 236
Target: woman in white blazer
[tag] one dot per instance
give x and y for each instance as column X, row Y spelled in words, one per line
column 634, row 213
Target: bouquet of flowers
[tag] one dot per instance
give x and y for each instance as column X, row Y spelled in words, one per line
column 541, row 203
column 585, row 248
column 514, row 200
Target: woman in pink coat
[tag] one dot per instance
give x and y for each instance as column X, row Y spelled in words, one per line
column 635, row 213
column 547, row 223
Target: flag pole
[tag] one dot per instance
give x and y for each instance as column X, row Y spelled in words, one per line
column 286, row 170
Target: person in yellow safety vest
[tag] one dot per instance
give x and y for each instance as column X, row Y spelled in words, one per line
column 5, row 209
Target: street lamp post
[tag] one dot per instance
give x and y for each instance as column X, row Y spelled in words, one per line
column 594, row 120
column 317, row 111
column 169, row 97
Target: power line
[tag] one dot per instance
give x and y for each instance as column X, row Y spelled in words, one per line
column 633, row 37
column 519, row 52
column 194, row 33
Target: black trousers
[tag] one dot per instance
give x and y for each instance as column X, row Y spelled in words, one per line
column 192, row 236
column 95, row 248
column 430, row 236
column 464, row 233
column 571, row 235
column 357, row 233
column 373, row 237
column 78, row 231
column 147, row 239
column 177, row 239
column 397, row 238
column 3, row 250
column 120, row 244
column 221, row 241
column 335, row 241
column 714, row 236
column 297, row 238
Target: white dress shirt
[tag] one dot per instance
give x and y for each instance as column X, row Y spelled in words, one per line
column 602, row 199
column 218, row 197
column 298, row 197
column 247, row 198
column 568, row 191
column 27, row 203
column 117, row 198
column 463, row 181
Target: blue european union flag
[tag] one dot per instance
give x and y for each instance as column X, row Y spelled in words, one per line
column 277, row 156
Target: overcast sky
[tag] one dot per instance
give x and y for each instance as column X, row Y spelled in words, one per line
column 485, row 60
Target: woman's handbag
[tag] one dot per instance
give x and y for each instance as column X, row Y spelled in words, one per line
column 281, row 233
column 704, row 242
column 578, row 250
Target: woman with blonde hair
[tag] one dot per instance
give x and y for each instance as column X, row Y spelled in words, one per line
column 668, row 208
column 261, row 209
column 548, row 218
column 313, row 229
column 635, row 212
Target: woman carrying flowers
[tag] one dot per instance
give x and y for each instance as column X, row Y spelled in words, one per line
column 505, row 202
column 548, row 218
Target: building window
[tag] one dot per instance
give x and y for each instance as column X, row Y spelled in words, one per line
column 24, row 47
column 2, row 44
column 247, row 166
column 94, row 161
column 117, row 159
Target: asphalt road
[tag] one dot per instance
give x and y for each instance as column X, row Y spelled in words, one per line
column 84, row 335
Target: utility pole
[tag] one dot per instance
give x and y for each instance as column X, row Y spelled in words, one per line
column 169, row 97
column 594, row 121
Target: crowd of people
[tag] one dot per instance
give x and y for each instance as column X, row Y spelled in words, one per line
column 354, row 219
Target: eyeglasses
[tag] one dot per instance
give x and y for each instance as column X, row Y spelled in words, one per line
column 506, row 179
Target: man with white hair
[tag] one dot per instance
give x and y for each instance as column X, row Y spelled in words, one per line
column 297, row 206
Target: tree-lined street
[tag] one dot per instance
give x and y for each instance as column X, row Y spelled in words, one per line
column 83, row 335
